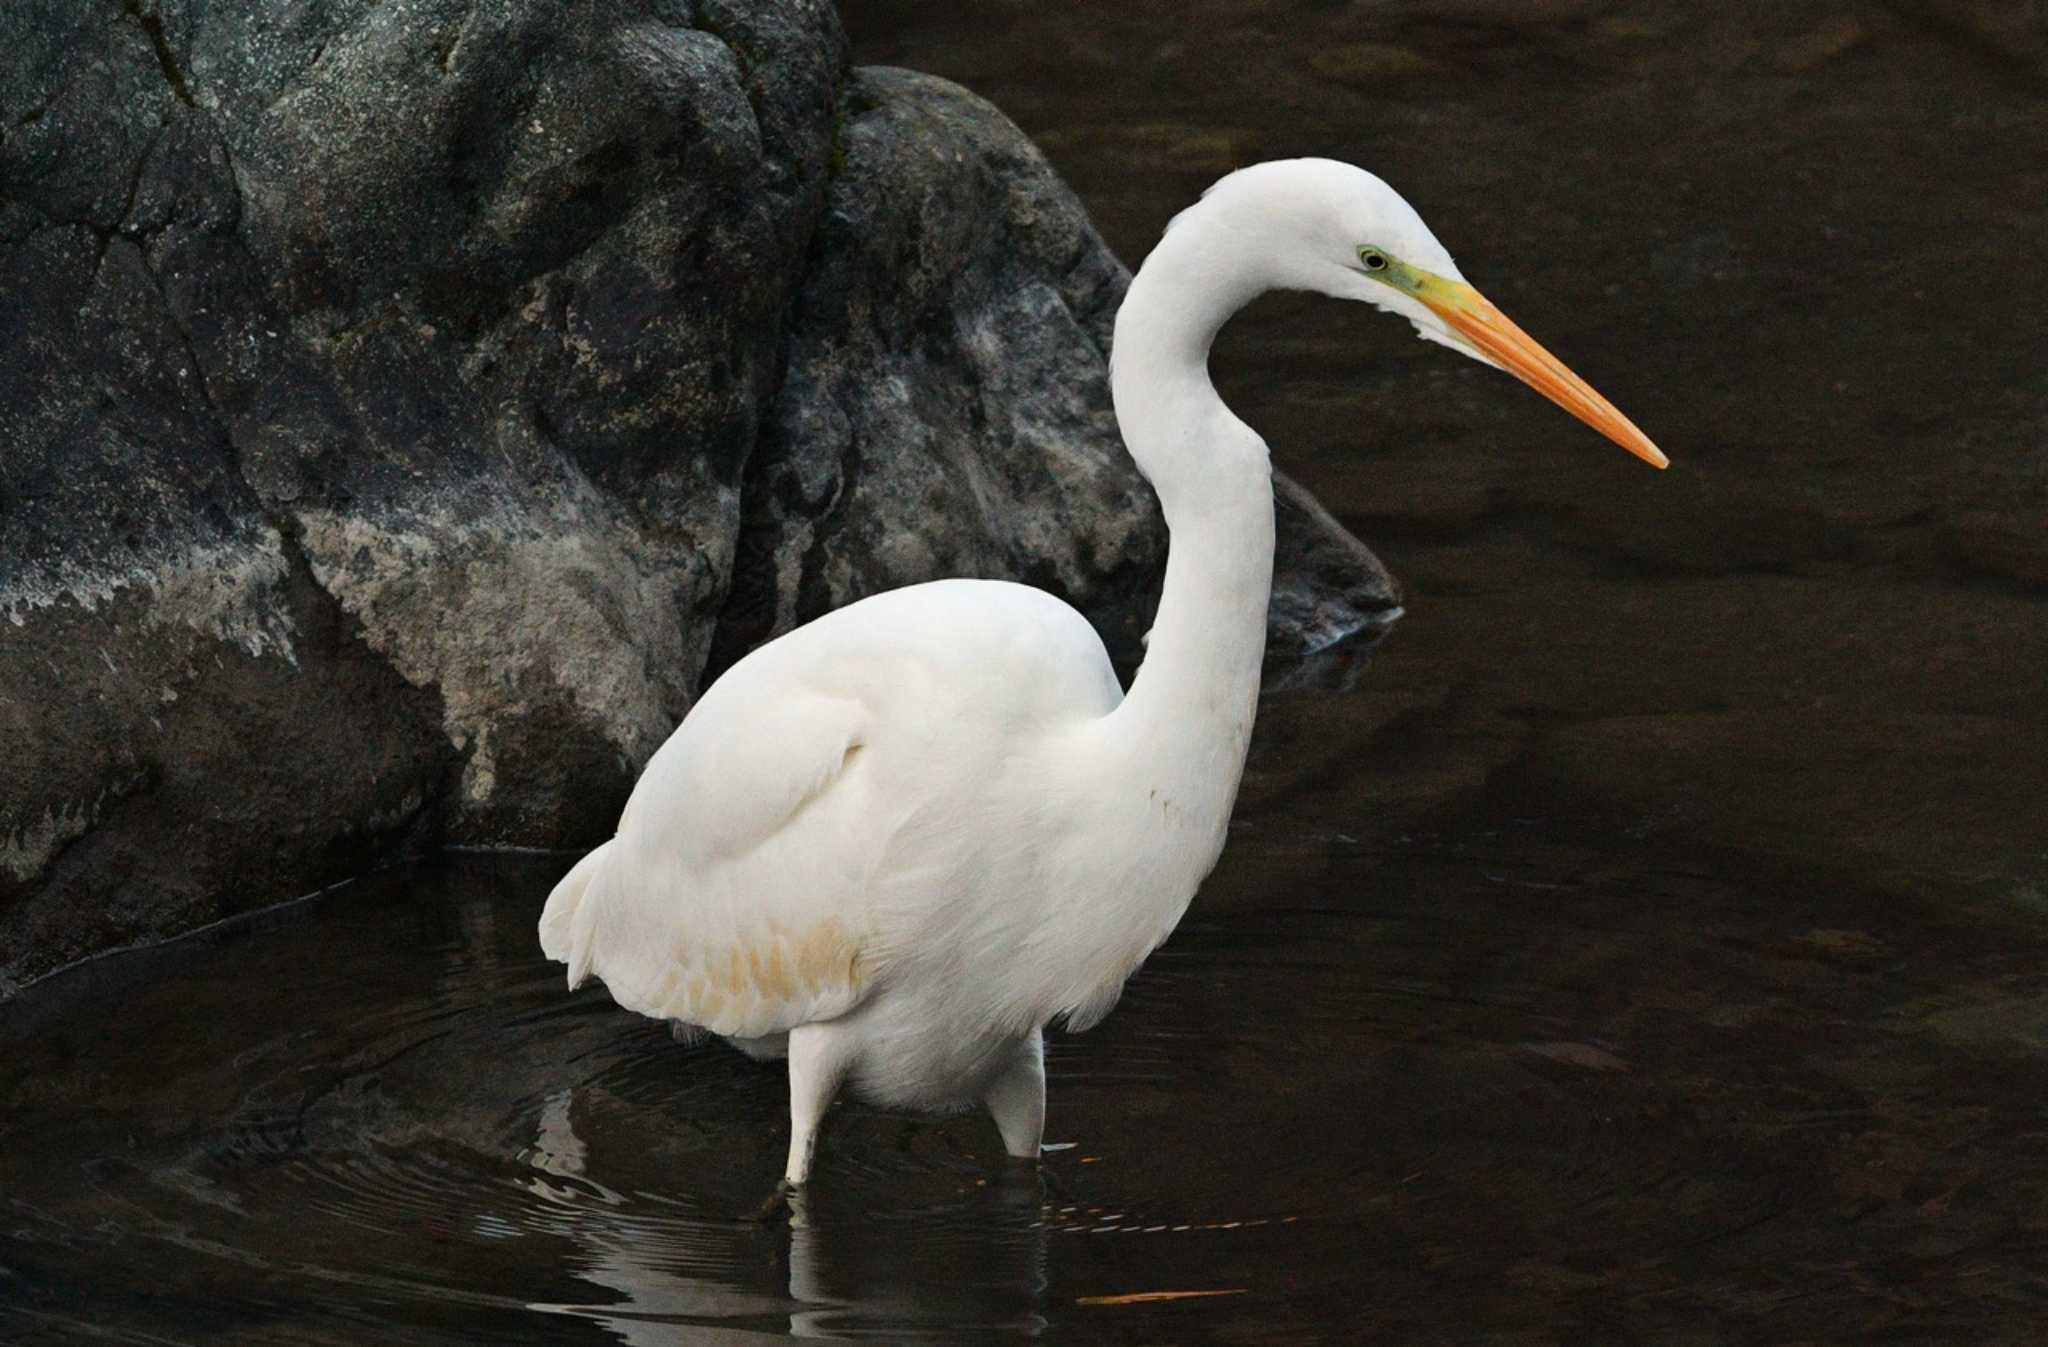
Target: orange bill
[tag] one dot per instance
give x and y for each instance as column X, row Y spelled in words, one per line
column 1472, row 316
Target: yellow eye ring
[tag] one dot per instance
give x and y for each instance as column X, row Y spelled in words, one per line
column 1372, row 259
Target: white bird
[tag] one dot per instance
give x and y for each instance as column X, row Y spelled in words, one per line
column 894, row 844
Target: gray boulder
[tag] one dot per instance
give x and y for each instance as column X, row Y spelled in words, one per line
column 405, row 409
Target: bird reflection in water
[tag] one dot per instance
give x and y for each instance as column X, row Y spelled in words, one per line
column 976, row 1265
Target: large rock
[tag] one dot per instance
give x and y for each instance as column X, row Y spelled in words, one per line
column 945, row 410
column 405, row 408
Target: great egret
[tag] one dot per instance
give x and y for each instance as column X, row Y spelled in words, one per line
column 895, row 843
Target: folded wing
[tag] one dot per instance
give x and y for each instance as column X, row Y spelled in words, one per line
column 731, row 897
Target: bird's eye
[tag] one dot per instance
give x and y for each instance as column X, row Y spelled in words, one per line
column 1372, row 259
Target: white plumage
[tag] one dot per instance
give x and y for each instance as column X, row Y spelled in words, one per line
column 895, row 843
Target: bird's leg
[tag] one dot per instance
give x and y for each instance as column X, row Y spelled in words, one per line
column 817, row 1061
column 1016, row 1098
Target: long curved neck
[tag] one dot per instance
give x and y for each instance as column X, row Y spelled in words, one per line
column 1189, row 712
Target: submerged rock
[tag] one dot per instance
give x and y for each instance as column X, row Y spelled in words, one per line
column 407, row 408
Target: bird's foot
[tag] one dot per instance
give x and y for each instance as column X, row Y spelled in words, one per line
column 787, row 1199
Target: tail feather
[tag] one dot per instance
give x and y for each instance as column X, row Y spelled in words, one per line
column 563, row 937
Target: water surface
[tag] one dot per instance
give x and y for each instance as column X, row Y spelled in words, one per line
column 1496, row 1087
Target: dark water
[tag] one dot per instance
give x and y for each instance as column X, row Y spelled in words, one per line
column 1495, row 1088
column 1654, row 948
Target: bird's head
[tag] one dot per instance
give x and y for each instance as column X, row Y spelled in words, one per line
column 1331, row 227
